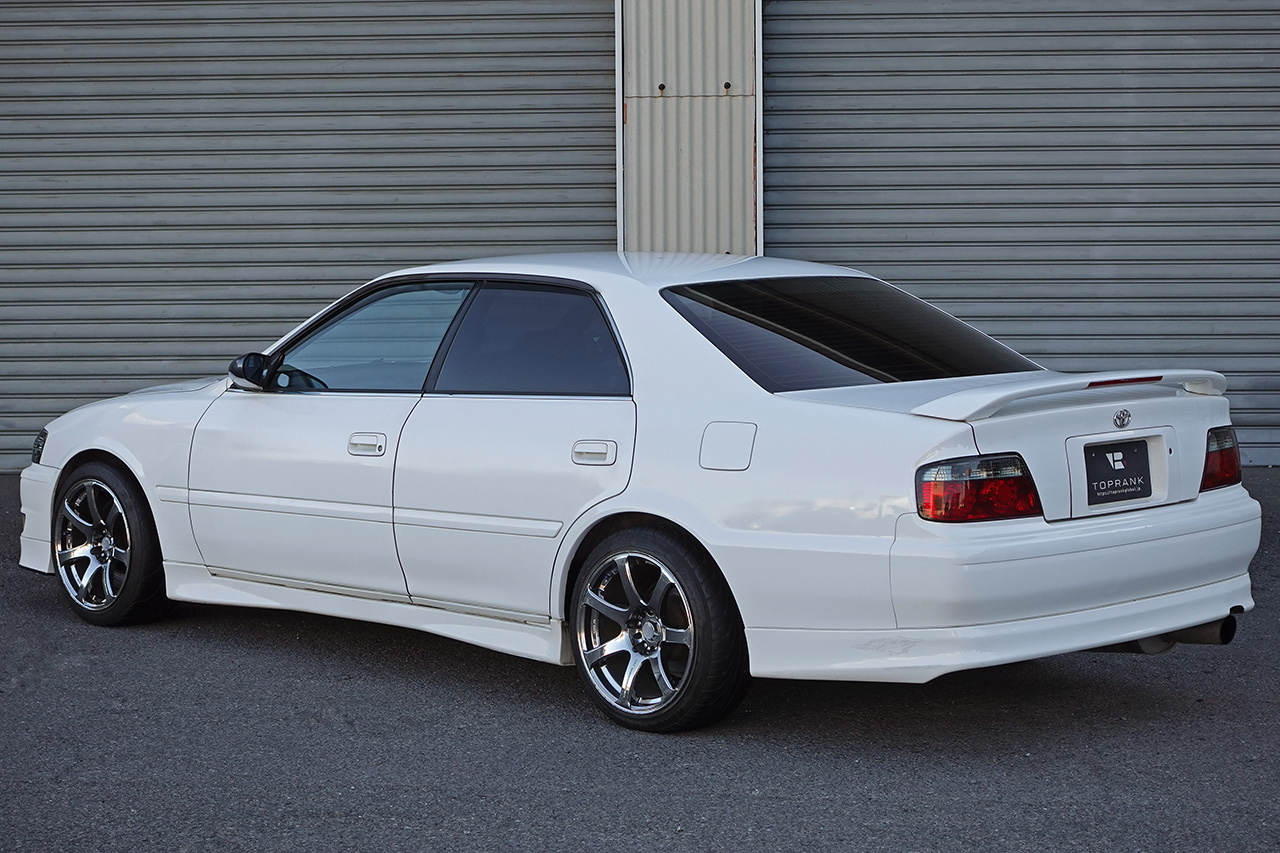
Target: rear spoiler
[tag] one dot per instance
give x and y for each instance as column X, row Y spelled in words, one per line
column 975, row 403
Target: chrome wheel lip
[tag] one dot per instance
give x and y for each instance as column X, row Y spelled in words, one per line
column 643, row 635
column 92, row 544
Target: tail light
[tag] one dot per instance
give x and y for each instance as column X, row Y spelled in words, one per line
column 1221, row 460
column 977, row 488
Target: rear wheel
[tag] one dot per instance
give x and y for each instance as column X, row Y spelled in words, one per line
column 658, row 642
column 106, row 549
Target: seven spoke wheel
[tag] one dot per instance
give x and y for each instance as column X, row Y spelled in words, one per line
column 634, row 632
column 105, row 548
column 92, row 545
column 657, row 639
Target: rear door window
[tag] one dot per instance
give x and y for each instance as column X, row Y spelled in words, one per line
column 533, row 339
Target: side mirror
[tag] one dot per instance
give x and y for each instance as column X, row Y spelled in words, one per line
column 249, row 371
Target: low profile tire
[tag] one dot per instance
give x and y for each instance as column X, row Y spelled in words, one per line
column 105, row 548
column 657, row 639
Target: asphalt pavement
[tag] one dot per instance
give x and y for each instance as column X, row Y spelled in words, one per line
column 230, row 729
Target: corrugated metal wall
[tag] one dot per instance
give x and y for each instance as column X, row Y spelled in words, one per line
column 689, row 143
column 690, row 176
column 1095, row 183
column 183, row 181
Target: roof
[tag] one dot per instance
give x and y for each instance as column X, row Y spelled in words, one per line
column 653, row 269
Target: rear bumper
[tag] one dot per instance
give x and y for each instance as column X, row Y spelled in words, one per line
column 973, row 595
column 38, row 482
column 918, row 655
column 956, row 575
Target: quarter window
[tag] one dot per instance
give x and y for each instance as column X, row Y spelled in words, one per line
column 384, row 343
column 523, row 339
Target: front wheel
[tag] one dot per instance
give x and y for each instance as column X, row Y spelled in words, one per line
column 658, row 642
column 106, row 549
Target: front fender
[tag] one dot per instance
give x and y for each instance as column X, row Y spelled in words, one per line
column 149, row 435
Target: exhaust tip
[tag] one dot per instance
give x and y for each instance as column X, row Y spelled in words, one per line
column 1217, row 633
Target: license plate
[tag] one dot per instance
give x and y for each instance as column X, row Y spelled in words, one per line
column 1117, row 472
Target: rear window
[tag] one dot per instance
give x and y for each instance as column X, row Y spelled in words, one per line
column 792, row 334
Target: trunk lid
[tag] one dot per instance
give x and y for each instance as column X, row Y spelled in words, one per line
column 1095, row 443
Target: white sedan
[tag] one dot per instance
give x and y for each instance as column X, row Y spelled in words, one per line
column 674, row 472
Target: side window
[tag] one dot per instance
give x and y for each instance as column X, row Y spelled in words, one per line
column 384, row 343
column 534, row 340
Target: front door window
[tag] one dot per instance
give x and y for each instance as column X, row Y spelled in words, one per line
column 384, row 343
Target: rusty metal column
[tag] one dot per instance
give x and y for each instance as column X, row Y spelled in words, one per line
column 689, row 115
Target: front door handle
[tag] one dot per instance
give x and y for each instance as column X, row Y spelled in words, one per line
column 367, row 444
column 595, row 452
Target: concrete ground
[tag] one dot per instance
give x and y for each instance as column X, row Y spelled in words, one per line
column 230, row 729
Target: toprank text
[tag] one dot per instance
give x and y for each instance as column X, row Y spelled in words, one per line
column 1121, row 486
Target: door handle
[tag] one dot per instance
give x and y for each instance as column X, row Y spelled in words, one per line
column 595, row 452
column 367, row 444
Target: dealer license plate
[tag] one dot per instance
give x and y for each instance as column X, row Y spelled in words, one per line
column 1117, row 472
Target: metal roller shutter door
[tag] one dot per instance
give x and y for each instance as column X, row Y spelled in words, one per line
column 1095, row 183
column 184, row 181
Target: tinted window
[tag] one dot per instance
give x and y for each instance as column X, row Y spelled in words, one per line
column 533, row 340
column 789, row 334
column 385, row 343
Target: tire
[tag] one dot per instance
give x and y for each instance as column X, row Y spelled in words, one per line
column 657, row 638
column 105, row 548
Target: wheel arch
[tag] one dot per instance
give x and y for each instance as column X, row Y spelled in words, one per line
column 599, row 529
column 106, row 457
column 143, row 594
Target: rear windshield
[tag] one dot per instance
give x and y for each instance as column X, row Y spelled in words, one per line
column 791, row 334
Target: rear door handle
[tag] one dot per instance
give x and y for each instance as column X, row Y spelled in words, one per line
column 595, row 452
column 367, row 444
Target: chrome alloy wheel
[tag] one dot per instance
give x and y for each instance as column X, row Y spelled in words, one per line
column 635, row 633
column 92, row 544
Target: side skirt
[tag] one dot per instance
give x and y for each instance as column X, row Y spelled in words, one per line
column 540, row 639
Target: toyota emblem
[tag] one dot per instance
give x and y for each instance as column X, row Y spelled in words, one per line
column 1121, row 418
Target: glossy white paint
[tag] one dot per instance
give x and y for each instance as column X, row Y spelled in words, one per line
column 917, row 655
column 37, row 484
column 540, row 640
column 807, row 549
column 952, row 575
column 468, row 521
column 149, row 433
column 485, row 486
column 1051, row 439
column 276, row 492
column 727, row 446
column 980, row 402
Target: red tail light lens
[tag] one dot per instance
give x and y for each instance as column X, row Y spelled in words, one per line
column 977, row 488
column 1221, row 460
